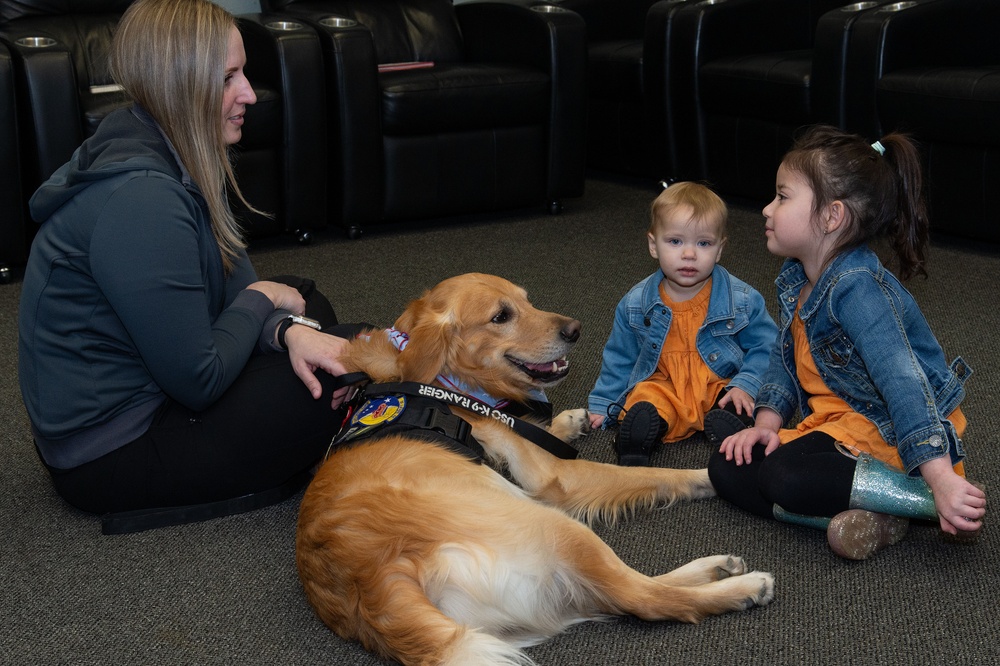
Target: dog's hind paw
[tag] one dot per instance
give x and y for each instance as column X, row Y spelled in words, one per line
column 570, row 424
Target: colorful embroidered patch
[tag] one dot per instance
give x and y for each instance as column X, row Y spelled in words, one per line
column 379, row 411
column 373, row 414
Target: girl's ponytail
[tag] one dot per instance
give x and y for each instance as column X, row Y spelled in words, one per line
column 908, row 233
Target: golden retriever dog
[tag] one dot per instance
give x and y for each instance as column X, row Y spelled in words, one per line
column 426, row 557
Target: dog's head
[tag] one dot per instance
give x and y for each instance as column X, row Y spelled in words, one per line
column 482, row 330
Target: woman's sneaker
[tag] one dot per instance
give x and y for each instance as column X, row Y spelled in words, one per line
column 640, row 431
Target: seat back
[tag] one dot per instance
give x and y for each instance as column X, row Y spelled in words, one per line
column 611, row 19
column 403, row 30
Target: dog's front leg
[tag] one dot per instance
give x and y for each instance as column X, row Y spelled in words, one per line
column 586, row 489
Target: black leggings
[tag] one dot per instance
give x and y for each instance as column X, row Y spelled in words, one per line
column 808, row 475
column 263, row 431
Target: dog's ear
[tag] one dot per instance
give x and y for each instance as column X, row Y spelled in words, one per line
column 426, row 352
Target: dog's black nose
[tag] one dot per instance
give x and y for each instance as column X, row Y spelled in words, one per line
column 571, row 331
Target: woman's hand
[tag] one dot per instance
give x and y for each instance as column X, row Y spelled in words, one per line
column 310, row 350
column 281, row 295
column 739, row 447
column 741, row 400
column 960, row 505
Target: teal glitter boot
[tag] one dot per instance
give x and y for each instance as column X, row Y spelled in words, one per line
column 882, row 499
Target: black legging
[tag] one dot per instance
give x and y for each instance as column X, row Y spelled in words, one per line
column 808, row 476
column 263, row 431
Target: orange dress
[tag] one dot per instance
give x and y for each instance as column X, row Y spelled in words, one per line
column 831, row 415
column 682, row 388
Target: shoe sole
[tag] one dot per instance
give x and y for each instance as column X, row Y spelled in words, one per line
column 722, row 425
column 858, row 534
column 632, row 458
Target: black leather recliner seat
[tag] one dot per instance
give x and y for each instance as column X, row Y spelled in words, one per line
column 438, row 110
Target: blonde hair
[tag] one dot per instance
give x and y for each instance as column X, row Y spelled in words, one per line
column 169, row 57
column 706, row 206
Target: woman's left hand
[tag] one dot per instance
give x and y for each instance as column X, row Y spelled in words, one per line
column 310, row 350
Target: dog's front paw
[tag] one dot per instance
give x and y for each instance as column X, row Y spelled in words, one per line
column 570, row 424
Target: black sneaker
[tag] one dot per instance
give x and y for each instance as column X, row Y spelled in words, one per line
column 721, row 423
column 640, row 431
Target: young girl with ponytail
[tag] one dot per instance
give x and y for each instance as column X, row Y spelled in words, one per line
column 879, row 440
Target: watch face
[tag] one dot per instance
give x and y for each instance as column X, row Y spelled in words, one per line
column 305, row 321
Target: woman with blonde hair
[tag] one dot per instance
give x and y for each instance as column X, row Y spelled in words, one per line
column 164, row 381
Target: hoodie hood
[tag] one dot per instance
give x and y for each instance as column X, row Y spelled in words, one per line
column 127, row 140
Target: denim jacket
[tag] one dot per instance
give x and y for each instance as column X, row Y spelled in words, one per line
column 735, row 339
column 874, row 349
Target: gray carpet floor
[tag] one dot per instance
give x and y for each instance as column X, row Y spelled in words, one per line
column 226, row 591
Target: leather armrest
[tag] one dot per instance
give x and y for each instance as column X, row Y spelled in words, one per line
column 831, row 78
column 284, row 55
column 49, row 106
column 356, row 156
column 12, row 225
column 555, row 42
column 658, row 80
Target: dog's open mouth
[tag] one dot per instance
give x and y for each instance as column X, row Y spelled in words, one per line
column 546, row 373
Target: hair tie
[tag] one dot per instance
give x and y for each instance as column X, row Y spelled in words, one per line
column 879, row 148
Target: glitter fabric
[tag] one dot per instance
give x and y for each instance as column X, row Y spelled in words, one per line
column 879, row 487
column 815, row 522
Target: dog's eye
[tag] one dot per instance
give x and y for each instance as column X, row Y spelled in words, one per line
column 501, row 317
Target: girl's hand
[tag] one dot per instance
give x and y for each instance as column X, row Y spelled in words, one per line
column 741, row 401
column 281, row 295
column 960, row 505
column 596, row 421
column 310, row 350
column 738, row 447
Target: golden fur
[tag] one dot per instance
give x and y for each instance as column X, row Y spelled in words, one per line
column 427, row 558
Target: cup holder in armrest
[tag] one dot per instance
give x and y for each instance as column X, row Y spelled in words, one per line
column 898, row 6
column 338, row 22
column 859, row 6
column 36, row 42
column 284, row 26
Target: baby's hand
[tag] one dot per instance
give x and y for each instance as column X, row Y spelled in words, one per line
column 596, row 421
column 741, row 401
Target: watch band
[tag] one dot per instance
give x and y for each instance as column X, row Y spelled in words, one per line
column 285, row 323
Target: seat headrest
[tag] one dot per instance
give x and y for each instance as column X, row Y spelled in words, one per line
column 11, row 10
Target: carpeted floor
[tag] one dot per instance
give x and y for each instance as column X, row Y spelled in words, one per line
column 226, row 591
